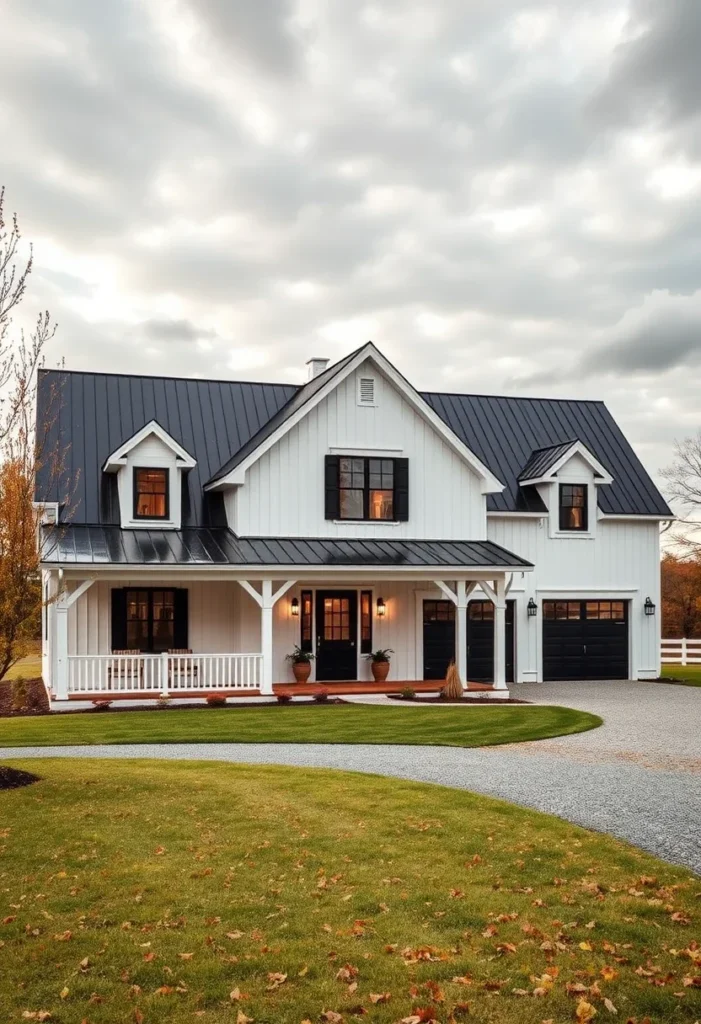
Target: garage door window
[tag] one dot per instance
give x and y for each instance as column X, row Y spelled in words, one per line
column 561, row 610
column 613, row 610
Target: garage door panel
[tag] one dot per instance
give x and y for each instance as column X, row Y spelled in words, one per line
column 585, row 639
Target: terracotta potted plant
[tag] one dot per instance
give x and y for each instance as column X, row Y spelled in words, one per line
column 379, row 663
column 301, row 662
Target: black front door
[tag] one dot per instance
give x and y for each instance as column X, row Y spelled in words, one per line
column 480, row 641
column 439, row 638
column 337, row 635
column 585, row 640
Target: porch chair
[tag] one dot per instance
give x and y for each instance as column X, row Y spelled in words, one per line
column 190, row 670
column 127, row 668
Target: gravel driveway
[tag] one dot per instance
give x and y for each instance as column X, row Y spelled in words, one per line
column 638, row 777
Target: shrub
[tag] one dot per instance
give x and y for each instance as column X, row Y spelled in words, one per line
column 19, row 694
column 284, row 699
column 408, row 693
column 321, row 697
column 453, row 685
column 216, row 700
column 163, row 701
column 101, row 704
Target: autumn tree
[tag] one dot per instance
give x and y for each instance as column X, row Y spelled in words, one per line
column 681, row 596
column 683, row 477
column 21, row 454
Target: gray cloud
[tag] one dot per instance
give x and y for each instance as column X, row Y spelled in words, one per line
column 656, row 74
column 501, row 193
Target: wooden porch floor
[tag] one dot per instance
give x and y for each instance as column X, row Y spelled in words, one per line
column 334, row 689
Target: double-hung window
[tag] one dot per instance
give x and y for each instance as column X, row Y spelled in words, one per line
column 151, row 493
column 367, row 489
column 573, row 507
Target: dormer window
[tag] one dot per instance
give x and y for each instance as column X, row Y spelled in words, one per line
column 573, row 507
column 151, row 491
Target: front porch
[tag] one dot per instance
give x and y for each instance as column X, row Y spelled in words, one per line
column 216, row 632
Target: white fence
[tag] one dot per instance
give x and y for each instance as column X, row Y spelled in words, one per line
column 163, row 673
column 681, row 652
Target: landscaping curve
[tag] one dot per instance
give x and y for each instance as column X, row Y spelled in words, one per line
column 638, row 777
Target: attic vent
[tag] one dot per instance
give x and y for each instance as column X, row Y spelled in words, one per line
column 366, row 390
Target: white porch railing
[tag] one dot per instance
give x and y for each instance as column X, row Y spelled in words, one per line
column 163, row 673
column 681, row 652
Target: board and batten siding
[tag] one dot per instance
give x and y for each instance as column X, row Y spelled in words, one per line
column 283, row 494
column 622, row 562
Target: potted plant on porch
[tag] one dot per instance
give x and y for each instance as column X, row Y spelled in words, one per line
column 301, row 662
column 379, row 663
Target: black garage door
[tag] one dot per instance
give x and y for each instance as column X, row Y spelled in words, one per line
column 480, row 641
column 585, row 640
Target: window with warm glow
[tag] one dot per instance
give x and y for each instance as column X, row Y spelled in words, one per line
column 366, row 488
column 150, row 493
column 573, row 507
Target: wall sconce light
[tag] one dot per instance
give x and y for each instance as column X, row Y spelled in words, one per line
column 649, row 606
column 381, row 608
column 294, row 606
column 532, row 608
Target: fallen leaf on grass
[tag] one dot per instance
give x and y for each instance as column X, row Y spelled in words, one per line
column 608, row 973
column 609, row 1006
column 276, row 980
column 585, row 1012
column 241, row 1018
column 380, row 997
column 36, row 1015
column 64, row 993
column 186, row 956
column 332, row 1017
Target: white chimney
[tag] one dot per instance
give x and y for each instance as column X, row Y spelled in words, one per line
column 316, row 366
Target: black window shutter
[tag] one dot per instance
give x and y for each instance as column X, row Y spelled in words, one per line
column 180, row 620
column 119, row 619
column 401, row 490
column 332, row 507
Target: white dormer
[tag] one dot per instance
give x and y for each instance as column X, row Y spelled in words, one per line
column 149, row 467
column 567, row 477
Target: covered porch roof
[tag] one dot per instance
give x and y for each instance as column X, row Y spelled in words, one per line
column 73, row 546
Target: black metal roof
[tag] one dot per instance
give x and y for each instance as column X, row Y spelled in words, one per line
column 89, row 415
column 504, row 431
column 109, row 545
column 543, row 459
column 299, row 398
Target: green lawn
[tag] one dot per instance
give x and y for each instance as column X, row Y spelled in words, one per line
column 336, row 723
column 687, row 675
column 28, row 668
column 147, row 891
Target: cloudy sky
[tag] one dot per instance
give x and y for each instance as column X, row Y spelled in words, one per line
column 503, row 195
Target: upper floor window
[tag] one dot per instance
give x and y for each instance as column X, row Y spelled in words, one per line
column 573, row 507
column 367, row 489
column 150, row 493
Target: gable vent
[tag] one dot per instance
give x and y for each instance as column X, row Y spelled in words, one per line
column 366, row 390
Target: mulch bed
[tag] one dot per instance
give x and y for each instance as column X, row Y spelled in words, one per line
column 461, row 700
column 12, row 778
column 36, row 700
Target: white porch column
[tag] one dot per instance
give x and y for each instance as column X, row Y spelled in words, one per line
column 266, row 634
column 266, row 600
column 63, row 603
column 459, row 597
column 60, row 673
column 461, row 632
column 500, row 634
